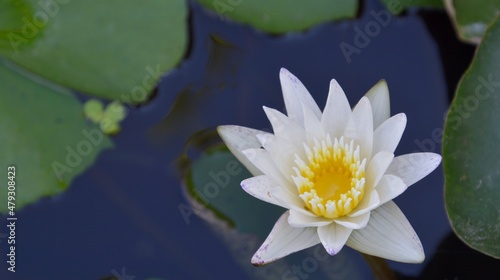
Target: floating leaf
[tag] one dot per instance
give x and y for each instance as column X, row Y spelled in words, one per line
column 115, row 111
column 93, row 110
column 471, row 150
column 471, row 18
column 279, row 16
column 13, row 15
column 108, row 119
column 116, row 49
column 45, row 136
column 397, row 6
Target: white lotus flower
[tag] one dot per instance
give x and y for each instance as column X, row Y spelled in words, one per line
column 334, row 171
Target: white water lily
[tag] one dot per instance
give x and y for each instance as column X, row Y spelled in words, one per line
column 334, row 171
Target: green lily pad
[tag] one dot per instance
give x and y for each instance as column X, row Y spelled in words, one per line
column 471, row 18
column 279, row 16
column 12, row 16
column 44, row 136
column 471, row 150
column 397, row 6
column 115, row 49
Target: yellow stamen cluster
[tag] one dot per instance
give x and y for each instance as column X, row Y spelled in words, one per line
column 332, row 181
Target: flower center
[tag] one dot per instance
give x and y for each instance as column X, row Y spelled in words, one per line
column 332, row 182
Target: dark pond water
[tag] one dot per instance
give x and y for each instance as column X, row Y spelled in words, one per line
column 122, row 213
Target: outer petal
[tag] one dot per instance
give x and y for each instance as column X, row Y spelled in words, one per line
column 266, row 189
column 413, row 167
column 337, row 111
column 284, row 240
column 286, row 128
column 390, row 187
column 333, row 237
column 379, row 99
column 386, row 137
column 297, row 219
column 388, row 235
column 239, row 138
column 356, row 222
column 296, row 95
column 360, row 127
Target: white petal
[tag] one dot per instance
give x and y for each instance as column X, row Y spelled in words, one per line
column 388, row 235
column 313, row 127
column 296, row 95
column 356, row 222
column 379, row 99
column 297, row 207
column 337, row 111
column 370, row 201
column 333, row 237
column 297, row 219
column 386, row 137
column 239, row 138
column 261, row 159
column 266, row 189
column 281, row 152
column 390, row 187
column 285, row 128
column 284, row 240
column 360, row 127
column 377, row 167
column 413, row 167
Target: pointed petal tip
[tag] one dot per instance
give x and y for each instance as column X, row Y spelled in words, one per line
column 287, row 76
column 401, row 117
column 335, row 88
column 438, row 157
column 433, row 160
column 257, row 261
column 416, row 256
column 334, row 84
column 420, row 258
column 380, row 85
column 283, row 70
column 222, row 129
column 380, row 101
column 330, row 251
column 382, row 82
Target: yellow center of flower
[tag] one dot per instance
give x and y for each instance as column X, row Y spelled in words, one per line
column 332, row 182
